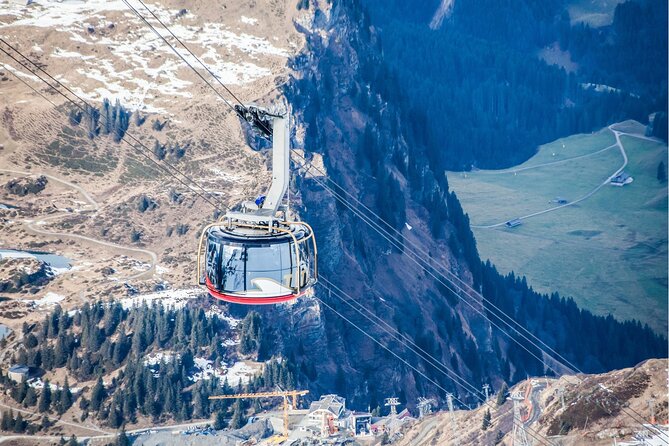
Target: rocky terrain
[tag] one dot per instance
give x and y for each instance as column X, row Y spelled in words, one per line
column 128, row 228
column 102, row 204
column 597, row 410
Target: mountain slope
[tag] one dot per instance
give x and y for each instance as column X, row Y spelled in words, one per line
column 592, row 414
column 349, row 102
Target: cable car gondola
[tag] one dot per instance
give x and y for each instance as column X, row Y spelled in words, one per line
column 255, row 256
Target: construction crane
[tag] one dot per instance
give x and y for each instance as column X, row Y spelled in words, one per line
column 293, row 394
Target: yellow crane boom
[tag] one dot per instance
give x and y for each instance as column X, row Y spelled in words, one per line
column 284, row 394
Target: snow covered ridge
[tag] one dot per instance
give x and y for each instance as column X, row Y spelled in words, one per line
column 143, row 70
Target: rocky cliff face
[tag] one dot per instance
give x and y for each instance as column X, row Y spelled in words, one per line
column 351, row 112
column 358, row 132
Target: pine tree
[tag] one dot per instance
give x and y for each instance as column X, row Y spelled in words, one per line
column 19, row 424
column 73, row 441
column 662, row 172
column 31, row 397
column 7, row 421
column 486, row 420
column 98, row 394
column 501, row 395
column 219, row 421
column 122, row 439
column 45, row 423
column 237, row 420
column 45, row 397
column 65, row 397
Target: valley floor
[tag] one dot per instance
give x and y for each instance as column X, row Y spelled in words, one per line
column 603, row 245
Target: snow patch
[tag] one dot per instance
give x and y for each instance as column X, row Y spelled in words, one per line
column 49, row 299
column 175, row 299
column 218, row 312
column 248, row 20
column 238, row 370
column 156, row 358
column 37, row 383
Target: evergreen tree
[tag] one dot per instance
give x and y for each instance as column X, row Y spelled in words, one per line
column 44, row 404
column 662, row 172
column 7, row 422
column 122, row 439
column 501, row 395
column 73, row 441
column 98, row 394
column 219, row 421
column 31, row 397
column 65, row 397
column 238, row 419
column 20, row 424
column 486, row 420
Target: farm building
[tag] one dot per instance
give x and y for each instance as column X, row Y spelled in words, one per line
column 513, row 223
column 621, row 179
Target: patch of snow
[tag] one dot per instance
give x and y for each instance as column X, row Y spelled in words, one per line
column 37, row 383
column 409, row 227
column 49, row 299
column 141, row 266
column 161, row 269
column 218, row 312
column 239, row 370
column 248, row 20
column 156, row 358
column 175, row 299
column 58, row 52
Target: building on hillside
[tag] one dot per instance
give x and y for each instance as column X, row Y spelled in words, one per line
column 621, row 179
column 19, row 373
column 560, row 200
column 333, row 405
column 360, row 424
column 513, row 223
column 325, row 417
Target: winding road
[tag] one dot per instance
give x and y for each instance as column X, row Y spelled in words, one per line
column 617, row 134
column 92, row 206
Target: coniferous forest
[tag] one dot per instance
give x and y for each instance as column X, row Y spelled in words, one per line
column 103, row 337
column 483, row 97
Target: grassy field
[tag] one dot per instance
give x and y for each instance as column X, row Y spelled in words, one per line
column 609, row 251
